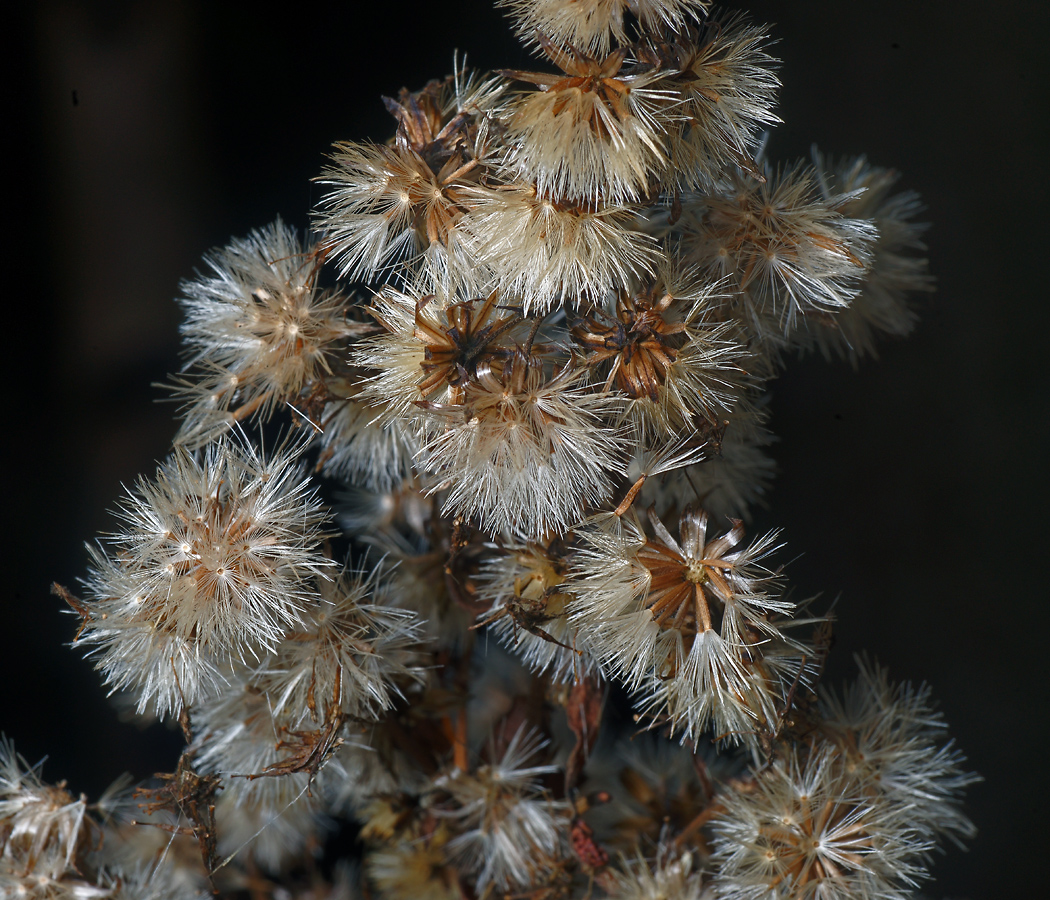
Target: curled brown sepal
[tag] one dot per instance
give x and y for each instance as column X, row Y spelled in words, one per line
column 311, row 750
column 187, row 795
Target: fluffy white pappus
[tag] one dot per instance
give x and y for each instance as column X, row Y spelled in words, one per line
column 892, row 734
column 736, row 691
column 277, row 832
column 785, row 250
column 593, row 25
column 213, row 564
column 732, row 478
column 805, row 828
column 354, row 652
column 274, row 817
column 591, row 134
column 21, row 885
column 43, row 828
column 899, row 266
column 147, row 882
column 257, row 329
column 391, row 204
column 356, row 447
column 544, row 251
column 692, row 625
column 523, row 453
column 528, row 609
column 508, row 830
column 727, row 87
column 672, row 872
column 656, row 16
column 387, row 206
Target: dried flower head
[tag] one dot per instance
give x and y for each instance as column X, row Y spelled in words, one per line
column 262, row 812
column 352, row 639
column 671, row 873
column 591, row 133
column 677, row 370
column 898, row 268
column 431, row 350
column 727, row 87
column 786, row 251
column 508, row 830
column 545, row 250
column 524, row 584
column 689, row 623
column 522, row 452
column 808, row 829
column 732, row 478
column 213, row 564
column 362, row 445
column 258, row 331
column 389, row 203
column 891, row 736
column 414, row 868
column 592, row 25
column 43, row 829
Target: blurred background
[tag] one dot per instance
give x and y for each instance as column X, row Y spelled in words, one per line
column 913, row 489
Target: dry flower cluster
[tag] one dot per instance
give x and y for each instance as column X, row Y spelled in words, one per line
column 538, row 376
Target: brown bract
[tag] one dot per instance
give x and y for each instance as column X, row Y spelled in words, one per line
column 641, row 343
column 685, row 575
column 453, row 351
column 588, row 90
column 188, row 795
column 437, row 158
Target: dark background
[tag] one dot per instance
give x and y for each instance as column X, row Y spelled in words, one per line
column 914, row 489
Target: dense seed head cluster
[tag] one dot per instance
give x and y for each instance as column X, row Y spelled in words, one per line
column 526, row 349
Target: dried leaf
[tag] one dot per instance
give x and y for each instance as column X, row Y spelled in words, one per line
column 584, row 712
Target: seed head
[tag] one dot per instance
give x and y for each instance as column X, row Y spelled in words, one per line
column 544, row 250
column 523, row 453
column 592, row 133
column 786, row 251
column 690, row 624
column 352, row 639
column 391, row 203
column 592, row 25
column 509, row 830
column 213, row 563
column 258, row 329
column 807, row 829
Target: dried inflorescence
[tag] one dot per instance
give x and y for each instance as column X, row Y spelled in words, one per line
column 259, row 331
column 509, row 830
column 392, row 204
column 694, row 625
column 43, row 828
column 210, row 569
column 810, row 829
column 593, row 131
column 680, row 372
column 544, row 407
